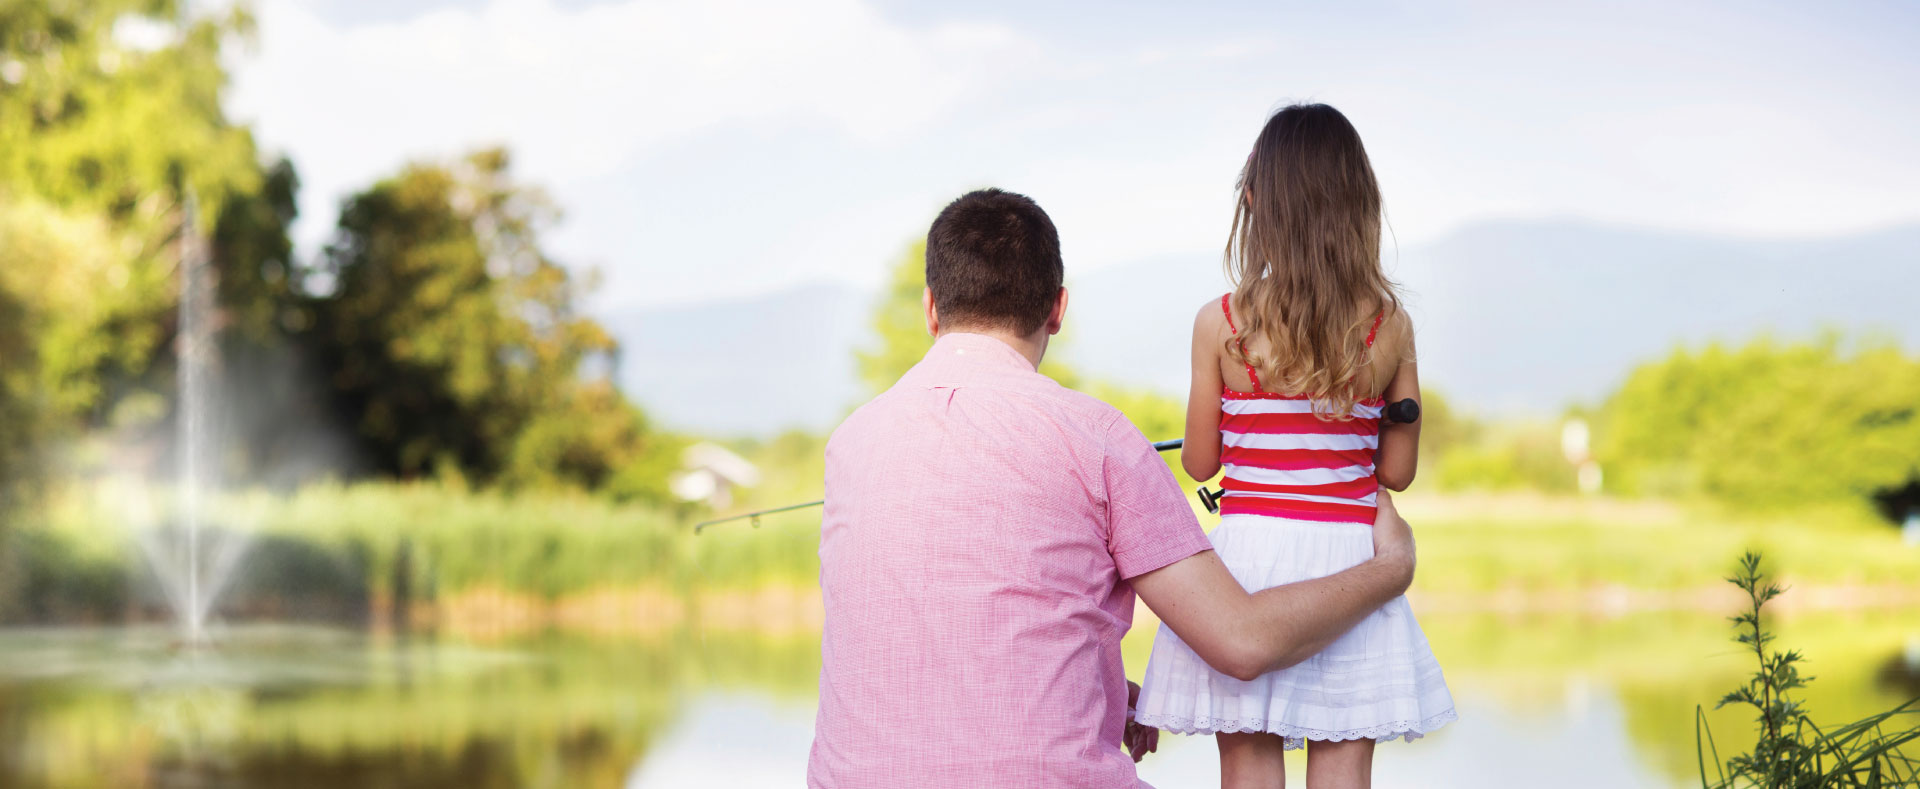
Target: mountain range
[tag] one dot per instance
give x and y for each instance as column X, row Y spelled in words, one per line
column 1512, row 318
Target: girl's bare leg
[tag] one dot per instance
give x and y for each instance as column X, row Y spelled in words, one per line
column 1347, row 764
column 1252, row 761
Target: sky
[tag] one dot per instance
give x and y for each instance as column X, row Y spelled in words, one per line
column 718, row 149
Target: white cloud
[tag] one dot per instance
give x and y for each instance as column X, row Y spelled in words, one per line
column 777, row 142
column 578, row 92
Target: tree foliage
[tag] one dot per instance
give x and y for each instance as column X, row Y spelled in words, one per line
column 102, row 138
column 102, row 125
column 1766, row 423
column 445, row 337
column 899, row 323
column 84, row 306
column 1462, row 453
column 452, row 340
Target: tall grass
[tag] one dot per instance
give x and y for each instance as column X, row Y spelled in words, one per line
column 329, row 545
column 336, row 546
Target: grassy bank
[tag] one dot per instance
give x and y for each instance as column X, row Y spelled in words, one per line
column 1522, row 547
column 381, row 549
column 391, row 549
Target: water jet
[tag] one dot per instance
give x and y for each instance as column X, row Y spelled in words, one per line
column 192, row 563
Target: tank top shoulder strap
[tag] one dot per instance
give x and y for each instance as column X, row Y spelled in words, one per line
column 1226, row 307
column 1376, row 326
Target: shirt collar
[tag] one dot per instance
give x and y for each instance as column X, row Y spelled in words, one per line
column 977, row 349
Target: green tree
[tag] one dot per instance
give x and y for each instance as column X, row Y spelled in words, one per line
column 84, row 306
column 453, row 341
column 900, row 328
column 1767, row 423
column 1512, row 455
column 99, row 141
column 254, row 257
column 899, row 322
column 1158, row 416
column 19, row 401
column 93, row 124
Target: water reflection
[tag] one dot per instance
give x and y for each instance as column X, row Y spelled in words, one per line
column 731, row 739
column 1590, row 702
column 1489, row 746
column 276, row 706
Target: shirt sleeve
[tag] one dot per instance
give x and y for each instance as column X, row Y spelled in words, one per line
column 1149, row 523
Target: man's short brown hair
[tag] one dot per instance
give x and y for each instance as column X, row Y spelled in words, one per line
column 993, row 261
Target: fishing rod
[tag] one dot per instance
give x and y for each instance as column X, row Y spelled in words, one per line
column 1403, row 411
column 754, row 517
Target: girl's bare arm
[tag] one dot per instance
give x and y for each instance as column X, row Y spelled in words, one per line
column 1399, row 453
column 1200, row 454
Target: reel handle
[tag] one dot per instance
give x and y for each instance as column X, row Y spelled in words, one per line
column 1210, row 498
column 1403, row 412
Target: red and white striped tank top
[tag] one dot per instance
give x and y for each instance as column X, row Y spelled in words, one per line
column 1284, row 461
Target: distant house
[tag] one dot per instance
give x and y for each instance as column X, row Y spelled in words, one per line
column 711, row 474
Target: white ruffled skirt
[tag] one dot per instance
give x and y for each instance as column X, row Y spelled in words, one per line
column 1379, row 681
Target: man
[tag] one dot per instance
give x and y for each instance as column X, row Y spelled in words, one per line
column 985, row 532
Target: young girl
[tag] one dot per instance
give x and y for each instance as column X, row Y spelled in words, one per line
column 1290, row 374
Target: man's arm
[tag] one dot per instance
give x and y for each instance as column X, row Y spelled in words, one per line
column 1245, row 635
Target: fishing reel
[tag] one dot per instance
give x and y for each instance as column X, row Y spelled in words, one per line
column 1400, row 412
column 1210, row 498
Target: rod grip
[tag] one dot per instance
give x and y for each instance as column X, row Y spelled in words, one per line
column 1403, row 412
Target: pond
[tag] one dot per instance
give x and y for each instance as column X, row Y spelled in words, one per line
column 1573, row 701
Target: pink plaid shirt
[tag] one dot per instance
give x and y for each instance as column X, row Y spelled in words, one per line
column 980, row 523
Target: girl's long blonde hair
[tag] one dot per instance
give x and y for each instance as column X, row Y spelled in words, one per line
column 1304, row 258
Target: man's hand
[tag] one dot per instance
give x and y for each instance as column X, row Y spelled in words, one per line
column 1393, row 540
column 1139, row 740
column 1244, row 636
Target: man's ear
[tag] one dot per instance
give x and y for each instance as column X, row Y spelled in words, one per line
column 1059, row 313
column 933, row 315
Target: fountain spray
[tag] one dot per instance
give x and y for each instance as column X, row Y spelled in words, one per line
column 196, row 354
column 192, row 561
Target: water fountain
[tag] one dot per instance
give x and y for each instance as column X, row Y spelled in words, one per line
column 195, row 702
column 192, row 562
